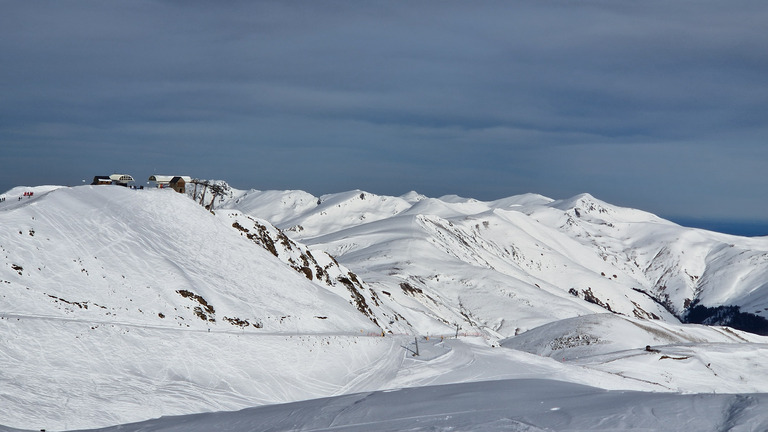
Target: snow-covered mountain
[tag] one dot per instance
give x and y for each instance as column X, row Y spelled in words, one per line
column 120, row 305
column 525, row 258
column 153, row 257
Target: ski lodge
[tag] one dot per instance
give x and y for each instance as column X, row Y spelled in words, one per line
column 117, row 179
column 177, row 183
column 101, row 180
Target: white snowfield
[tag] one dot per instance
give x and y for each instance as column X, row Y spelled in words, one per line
column 528, row 405
column 121, row 305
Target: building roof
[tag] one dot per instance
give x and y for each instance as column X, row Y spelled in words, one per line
column 121, row 178
column 167, row 178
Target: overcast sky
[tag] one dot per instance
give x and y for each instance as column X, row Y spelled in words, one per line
column 657, row 105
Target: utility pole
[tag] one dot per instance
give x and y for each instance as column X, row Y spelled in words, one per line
column 457, row 331
column 205, row 187
column 416, row 339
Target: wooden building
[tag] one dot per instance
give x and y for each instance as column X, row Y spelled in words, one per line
column 164, row 181
column 178, row 184
column 101, row 180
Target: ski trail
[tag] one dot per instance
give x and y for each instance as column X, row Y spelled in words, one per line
column 377, row 373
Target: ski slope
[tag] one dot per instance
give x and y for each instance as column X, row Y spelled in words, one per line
column 501, row 405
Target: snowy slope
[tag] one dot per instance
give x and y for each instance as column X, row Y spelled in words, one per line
column 526, row 247
column 678, row 266
column 121, row 305
column 684, row 358
column 317, row 266
column 502, row 405
column 272, row 205
column 152, row 256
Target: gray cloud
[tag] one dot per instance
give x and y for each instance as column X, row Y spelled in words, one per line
column 487, row 99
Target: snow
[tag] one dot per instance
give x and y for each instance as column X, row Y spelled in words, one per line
column 501, row 405
column 688, row 359
column 121, row 305
column 128, row 253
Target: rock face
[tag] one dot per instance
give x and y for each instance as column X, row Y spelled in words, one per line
column 319, row 267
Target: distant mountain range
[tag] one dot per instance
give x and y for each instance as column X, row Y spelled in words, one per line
column 622, row 260
column 734, row 227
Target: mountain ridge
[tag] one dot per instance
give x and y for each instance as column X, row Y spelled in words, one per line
column 644, row 247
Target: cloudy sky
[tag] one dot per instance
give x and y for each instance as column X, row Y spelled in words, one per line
column 658, row 105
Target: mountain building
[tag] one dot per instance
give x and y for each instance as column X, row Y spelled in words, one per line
column 101, row 180
column 178, row 184
column 164, row 181
column 121, row 179
column 117, row 179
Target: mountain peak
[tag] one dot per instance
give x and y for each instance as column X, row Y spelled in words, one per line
column 584, row 202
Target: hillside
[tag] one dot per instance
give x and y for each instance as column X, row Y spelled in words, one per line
column 121, row 305
column 529, row 256
column 156, row 257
